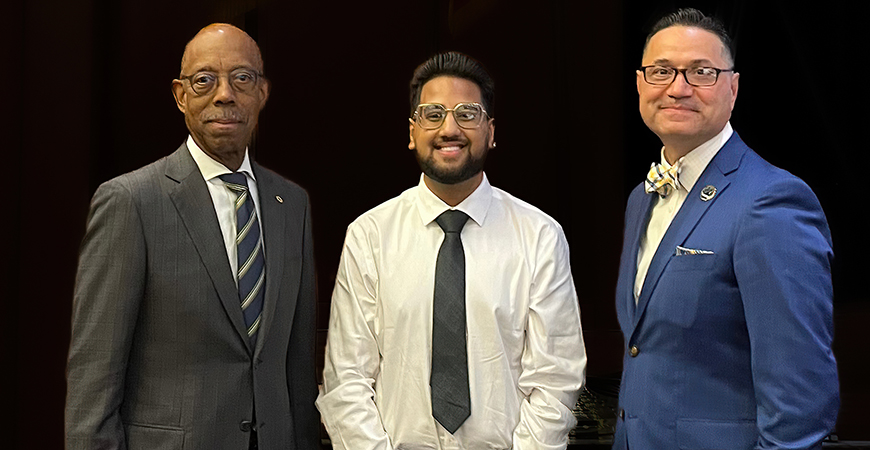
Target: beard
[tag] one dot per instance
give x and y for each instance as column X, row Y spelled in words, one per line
column 451, row 175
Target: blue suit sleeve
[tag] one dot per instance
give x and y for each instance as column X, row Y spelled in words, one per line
column 782, row 262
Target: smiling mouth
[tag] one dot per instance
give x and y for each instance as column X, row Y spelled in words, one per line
column 678, row 108
column 449, row 147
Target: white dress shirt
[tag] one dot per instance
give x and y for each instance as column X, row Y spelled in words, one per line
column 663, row 212
column 526, row 355
column 224, row 199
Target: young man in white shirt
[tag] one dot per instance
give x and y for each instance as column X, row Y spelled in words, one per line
column 520, row 361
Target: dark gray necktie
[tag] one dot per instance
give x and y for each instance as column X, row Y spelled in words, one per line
column 251, row 270
column 451, row 401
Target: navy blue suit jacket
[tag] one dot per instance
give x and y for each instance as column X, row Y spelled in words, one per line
column 730, row 350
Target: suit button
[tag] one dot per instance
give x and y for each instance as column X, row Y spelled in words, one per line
column 633, row 351
column 245, row 425
column 621, row 413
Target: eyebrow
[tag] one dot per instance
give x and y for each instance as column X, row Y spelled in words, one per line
column 233, row 69
column 454, row 106
column 694, row 62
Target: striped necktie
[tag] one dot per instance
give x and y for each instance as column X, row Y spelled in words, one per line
column 251, row 273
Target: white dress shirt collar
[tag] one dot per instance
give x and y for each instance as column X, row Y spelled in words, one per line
column 475, row 205
column 211, row 168
column 693, row 164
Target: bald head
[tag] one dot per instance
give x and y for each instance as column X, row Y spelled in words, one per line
column 220, row 34
column 221, row 91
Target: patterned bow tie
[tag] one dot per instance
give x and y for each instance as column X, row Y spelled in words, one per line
column 663, row 180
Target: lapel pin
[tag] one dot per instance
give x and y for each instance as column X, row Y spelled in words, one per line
column 280, row 200
column 708, row 193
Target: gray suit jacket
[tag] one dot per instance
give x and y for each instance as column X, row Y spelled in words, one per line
column 159, row 357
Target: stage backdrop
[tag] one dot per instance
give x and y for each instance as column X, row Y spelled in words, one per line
column 89, row 88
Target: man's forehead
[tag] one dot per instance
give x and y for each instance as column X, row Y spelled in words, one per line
column 216, row 63
column 692, row 62
column 450, row 87
column 221, row 49
column 684, row 45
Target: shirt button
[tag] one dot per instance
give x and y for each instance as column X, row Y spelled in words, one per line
column 633, row 351
column 245, row 425
column 621, row 413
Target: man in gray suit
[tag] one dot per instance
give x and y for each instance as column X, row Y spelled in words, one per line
column 193, row 317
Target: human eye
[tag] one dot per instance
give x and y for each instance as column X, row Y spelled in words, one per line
column 467, row 113
column 702, row 76
column 660, row 72
column 244, row 77
column 433, row 113
column 202, row 79
column 202, row 82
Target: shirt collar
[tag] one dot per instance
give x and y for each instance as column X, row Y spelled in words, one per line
column 693, row 164
column 475, row 205
column 210, row 168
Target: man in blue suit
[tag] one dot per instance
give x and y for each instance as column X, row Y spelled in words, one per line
column 724, row 294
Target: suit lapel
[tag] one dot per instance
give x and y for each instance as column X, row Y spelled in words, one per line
column 189, row 195
column 726, row 161
column 273, row 225
column 636, row 228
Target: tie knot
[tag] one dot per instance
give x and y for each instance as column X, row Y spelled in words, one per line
column 663, row 180
column 452, row 221
column 237, row 181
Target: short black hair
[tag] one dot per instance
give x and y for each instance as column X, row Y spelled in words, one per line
column 691, row 17
column 458, row 65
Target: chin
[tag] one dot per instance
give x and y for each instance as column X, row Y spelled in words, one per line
column 678, row 129
column 453, row 174
column 227, row 145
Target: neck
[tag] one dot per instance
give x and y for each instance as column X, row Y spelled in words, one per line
column 678, row 146
column 231, row 158
column 453, row 194
column 233, row 163
column 673, row 154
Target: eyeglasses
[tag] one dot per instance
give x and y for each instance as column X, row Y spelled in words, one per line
column 241, row 80
column 430, row 116
column 695, row 76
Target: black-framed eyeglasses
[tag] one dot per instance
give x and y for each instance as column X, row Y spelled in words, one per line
column 241, row 80
column 431, row 116
column 695, row 76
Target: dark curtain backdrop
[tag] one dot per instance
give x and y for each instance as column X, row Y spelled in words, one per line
column 89, row 88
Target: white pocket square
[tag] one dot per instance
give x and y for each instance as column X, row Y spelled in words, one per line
column 681, row 251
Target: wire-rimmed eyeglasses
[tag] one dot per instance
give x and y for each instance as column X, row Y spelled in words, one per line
column 241, row 80
column 431, row 116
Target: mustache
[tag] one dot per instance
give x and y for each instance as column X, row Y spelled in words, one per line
column 446, row 142
column 681, row 104
column 223, row 115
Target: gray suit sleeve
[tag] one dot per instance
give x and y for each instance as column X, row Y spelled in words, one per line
column 301, row 360
column 108, row 291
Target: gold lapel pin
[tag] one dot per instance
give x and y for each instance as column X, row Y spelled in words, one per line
column 280, row 200
column 708, row 193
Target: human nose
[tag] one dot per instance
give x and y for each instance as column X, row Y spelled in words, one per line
column 224, row 92
column 680, row 87
column 449, row 127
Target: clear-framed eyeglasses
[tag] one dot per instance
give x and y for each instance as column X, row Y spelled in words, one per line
column 430, row 116
column 695, row 76
column 241, row 80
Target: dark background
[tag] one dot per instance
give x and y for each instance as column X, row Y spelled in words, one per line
column 87, row 98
